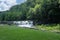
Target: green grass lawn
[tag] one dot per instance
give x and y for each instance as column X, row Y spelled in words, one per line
column 50, row 27
column 16, row 33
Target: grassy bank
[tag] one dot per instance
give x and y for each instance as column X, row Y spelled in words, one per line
column 16, row 33
column 49, row 27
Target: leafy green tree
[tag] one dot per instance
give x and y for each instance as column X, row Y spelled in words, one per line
column 40, row 11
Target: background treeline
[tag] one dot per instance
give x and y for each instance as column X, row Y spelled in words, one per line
column 40, row 11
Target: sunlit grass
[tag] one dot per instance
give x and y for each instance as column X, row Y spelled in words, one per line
column 50, row 27
column 16, row 33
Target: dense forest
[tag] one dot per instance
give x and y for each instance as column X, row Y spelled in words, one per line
column 40, row 11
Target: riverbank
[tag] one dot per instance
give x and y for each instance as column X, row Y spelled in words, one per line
column 17, row 33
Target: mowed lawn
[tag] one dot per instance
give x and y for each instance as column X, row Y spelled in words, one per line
column 16, row 33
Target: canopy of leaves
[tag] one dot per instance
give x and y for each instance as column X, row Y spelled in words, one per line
column 40, row 11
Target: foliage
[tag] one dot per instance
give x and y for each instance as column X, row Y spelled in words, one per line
column 40, row 11
column 50, row 27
